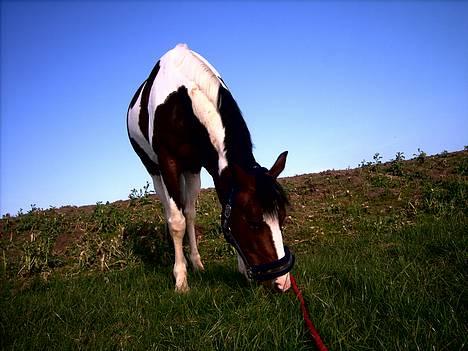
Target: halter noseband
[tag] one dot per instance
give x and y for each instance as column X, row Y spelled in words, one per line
column 259, row 272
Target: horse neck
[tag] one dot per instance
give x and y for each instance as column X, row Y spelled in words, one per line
column 223, row 183
column 237, row 141
column 242, row 156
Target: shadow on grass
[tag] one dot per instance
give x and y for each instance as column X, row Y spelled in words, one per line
column 218, row 274
column 151, row 243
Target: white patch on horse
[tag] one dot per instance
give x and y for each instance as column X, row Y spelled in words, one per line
column 211, row 68
column 182, row 67
column 283, row 282
column 133, row 116
column 208, row 115
column 273, row 223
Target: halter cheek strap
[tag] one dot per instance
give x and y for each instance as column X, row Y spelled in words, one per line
column 260, row 272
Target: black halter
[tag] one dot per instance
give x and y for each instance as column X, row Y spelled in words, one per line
column 259, row 272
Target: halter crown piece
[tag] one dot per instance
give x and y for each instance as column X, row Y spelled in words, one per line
column 259, row 272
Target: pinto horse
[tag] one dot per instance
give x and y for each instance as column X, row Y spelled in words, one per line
column 183, row 118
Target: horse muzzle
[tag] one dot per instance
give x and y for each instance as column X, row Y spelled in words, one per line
column 271, row 270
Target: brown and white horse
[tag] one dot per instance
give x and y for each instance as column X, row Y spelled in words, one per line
column 183, row 118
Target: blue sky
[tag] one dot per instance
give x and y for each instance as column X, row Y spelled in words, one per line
column 332, row 82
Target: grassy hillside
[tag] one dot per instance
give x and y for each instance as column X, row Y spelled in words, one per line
column 381, row 259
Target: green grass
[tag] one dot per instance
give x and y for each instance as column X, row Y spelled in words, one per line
column 382, row 260
column 407, row 290
column 137, row 308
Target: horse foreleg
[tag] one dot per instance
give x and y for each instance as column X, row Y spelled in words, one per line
column 176, row 223
column 177, row 227
column 192, row 189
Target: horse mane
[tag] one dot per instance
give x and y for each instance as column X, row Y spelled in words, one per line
column 237, row 140
column 270, row 193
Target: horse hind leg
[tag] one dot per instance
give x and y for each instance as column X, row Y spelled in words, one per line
column 177, row 225
column 191, row 191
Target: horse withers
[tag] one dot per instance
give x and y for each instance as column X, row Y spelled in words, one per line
column 182, row 118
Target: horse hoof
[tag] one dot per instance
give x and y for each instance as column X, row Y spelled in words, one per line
column 182, row 288
column 197, row 264
column 198, row 267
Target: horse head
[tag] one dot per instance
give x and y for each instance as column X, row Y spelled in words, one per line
column 252, row 221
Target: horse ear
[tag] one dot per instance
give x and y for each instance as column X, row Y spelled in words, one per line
column 279, row 165
column 242, row 178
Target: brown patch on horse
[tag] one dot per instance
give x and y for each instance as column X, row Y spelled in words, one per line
column 247, row 223
column 181, row 142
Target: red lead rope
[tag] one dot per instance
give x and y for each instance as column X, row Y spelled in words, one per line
column 305, row 313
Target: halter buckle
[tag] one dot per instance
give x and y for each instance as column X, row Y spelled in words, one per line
column 227, row 212
column 249, row 272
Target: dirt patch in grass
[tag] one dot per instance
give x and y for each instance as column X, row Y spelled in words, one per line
column 67, row 240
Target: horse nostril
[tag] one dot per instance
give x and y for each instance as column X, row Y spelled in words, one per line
column 282, row 284
column 279, row 287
